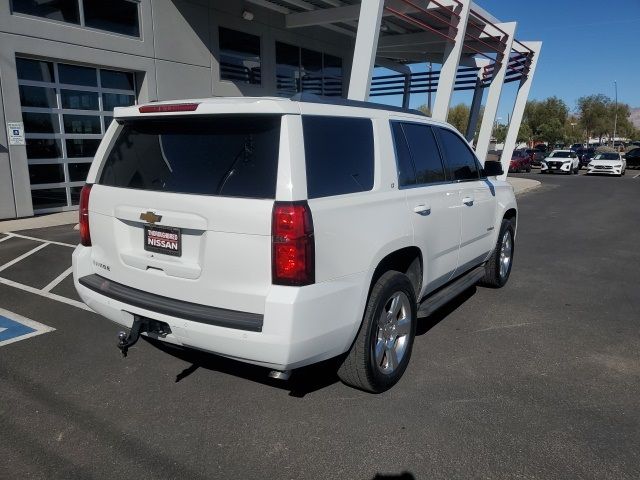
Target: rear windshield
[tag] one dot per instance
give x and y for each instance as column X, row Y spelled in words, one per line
column 224, row 156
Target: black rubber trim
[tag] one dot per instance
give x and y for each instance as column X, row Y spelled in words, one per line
column 219, row 317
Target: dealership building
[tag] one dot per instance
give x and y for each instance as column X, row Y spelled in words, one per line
column 65, row 65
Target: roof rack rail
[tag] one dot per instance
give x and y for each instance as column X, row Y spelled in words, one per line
column 313, row 98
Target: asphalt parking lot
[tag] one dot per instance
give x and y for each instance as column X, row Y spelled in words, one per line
column 538, row 380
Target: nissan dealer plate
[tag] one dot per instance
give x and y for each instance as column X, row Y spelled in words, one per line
column 166, row 240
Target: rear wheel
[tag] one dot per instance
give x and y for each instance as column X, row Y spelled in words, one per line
column 381, row 351
column 498, row 268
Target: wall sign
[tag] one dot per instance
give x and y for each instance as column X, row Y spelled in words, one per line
column 15, row 131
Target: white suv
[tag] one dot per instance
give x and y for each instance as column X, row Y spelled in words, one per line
column 285, row 232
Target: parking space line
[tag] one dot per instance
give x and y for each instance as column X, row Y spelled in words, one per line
column 638, row 175
column 5, row 238
column 23, row 256
column 57, row 280
column 41, row 240
column 49, row 295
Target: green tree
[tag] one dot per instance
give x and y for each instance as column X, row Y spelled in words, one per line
column 459, row 117
column 525, row 134
column 594, row 111
column 546, row 119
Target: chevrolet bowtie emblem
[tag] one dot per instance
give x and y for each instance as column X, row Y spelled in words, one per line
column 150, row 217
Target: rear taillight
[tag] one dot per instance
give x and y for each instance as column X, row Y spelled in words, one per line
column 85, row 235
column 293, row 251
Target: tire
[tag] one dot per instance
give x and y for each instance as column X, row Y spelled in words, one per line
column 495, row 276
column 369, row 363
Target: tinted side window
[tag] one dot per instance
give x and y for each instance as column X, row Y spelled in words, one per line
column 339, row 155
column 425, row 153
column 460, row 161
column 406, row 171
column 224, row 156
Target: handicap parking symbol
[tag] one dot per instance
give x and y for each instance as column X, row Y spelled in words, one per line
column 14, row 327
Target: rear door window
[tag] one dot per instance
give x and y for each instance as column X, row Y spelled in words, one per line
column 461, row 162
column 339, row 155
column 222, row 156
column 425, row 153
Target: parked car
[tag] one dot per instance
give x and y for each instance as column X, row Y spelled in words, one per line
column 585, row 154
column 561, row 161
column 278, row 232
column 520, row 162
column 576, row 146
column 633, row 158
column 538, row 157
column 608, row 164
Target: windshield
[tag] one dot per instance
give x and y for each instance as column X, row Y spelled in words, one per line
column 232, row 156
column 560, row 155
column 606, row 156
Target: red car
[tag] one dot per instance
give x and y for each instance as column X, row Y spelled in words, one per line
column 520, row 162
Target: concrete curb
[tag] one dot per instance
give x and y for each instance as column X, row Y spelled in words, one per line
column 522, row 185
column 51, row 220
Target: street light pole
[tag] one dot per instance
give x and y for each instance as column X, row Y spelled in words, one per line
column 615, row 121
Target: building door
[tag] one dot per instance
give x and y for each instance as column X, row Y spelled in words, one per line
column 66, row 109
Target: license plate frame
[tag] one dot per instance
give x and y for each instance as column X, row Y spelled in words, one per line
column 168, row 235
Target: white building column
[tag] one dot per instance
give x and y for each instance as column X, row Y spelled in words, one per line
column 495, row 89
column 364, row 53
column 518, row 108
column 450, row 62
column 476, row 103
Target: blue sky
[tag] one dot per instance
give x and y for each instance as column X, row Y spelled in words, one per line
column 587, row 44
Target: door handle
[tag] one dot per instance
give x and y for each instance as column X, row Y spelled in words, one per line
column 422, row 209
column 468, row 201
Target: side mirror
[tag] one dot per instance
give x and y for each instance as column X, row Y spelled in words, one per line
column 492, row 168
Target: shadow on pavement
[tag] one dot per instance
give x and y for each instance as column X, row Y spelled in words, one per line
column 304, row 380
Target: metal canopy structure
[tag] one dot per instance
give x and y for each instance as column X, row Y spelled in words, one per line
column 475, row 50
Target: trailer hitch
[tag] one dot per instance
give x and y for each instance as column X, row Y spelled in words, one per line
column 141, row 325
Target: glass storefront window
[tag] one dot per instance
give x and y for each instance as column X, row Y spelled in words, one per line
column 78, row 171
column 40, row 97
column 46, row 173
column 45, row 198
column 79, row 100
column 81, row 124
column 303, row 70
column 40, row 122
column 239, row 56
column 77, row 75
column 34, row 70
column 117, row 16
column 112, row 100
column 115, row 79
column 63, row 124
column 61, row 10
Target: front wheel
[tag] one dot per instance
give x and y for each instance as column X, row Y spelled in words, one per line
column 498, row 267
column 381, row 351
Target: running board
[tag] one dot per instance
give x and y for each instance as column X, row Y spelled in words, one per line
column 438, row 299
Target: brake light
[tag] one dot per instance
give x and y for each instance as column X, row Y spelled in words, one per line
column 293, row 249
column 174, row 107
column 85, row 235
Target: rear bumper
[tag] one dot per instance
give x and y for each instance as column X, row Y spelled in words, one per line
column 299, row 326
